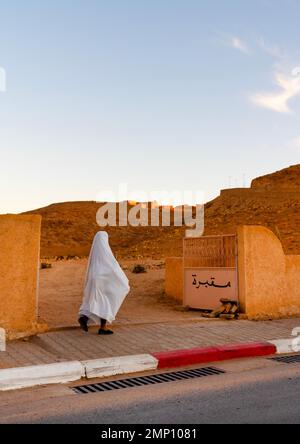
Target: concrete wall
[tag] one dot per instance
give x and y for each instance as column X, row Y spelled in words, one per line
column 174, row 278
column 269, row 281
column 174, row 275
column 19, row 264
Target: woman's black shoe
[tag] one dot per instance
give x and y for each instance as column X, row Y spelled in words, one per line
column 105, row 332
column 83, row 322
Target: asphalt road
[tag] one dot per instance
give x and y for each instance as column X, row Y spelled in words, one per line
column 251, row 391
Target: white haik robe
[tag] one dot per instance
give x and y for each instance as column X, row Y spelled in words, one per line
column 106, row 284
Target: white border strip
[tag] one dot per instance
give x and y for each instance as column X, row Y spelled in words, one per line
column 284, row 346
column 101, row 368
column 58, row 373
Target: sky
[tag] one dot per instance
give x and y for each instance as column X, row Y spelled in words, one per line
column 159, row 95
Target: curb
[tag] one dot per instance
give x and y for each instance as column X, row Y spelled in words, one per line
column 286, row 345
column 23, row 377
column 103, row 368
column 64, row 372
column 180, row 358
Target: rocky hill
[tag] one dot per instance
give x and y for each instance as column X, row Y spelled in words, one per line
column 68, row 230
column 287, row 179
column 273, row 201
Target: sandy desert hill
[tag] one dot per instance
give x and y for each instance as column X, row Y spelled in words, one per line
column 286, row 179
column 273, row 200
column 68, row 230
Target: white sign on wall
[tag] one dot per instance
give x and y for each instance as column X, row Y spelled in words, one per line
column 204, row 287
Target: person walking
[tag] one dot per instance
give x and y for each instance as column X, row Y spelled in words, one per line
column 106, row 287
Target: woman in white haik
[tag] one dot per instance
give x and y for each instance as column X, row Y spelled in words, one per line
column 106, row 286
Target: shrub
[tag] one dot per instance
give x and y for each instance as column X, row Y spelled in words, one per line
column 45, row 265
column 139, row 269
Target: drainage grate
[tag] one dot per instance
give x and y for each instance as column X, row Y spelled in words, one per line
column 291, row 359
column 147, row 380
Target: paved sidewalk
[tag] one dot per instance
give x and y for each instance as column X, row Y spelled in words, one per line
column 73, row 344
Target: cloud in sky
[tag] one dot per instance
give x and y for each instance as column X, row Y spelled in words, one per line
column 278, row 101
column 237, row 43
column 287, row 81
column 233, row 42
column 273, row 51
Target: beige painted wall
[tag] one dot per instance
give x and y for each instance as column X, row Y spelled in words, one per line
column 174, row 275
column 19, row 264
column 174, row 278
column 269, row 281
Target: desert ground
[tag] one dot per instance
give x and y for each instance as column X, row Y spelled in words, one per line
column 61, row 291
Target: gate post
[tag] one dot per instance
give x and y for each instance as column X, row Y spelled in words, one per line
column 19, row 272
column 210, row 267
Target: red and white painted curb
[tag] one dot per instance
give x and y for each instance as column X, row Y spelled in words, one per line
column 180, row 358
column 22, row 377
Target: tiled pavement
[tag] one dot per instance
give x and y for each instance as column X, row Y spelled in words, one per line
column 73, row 344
